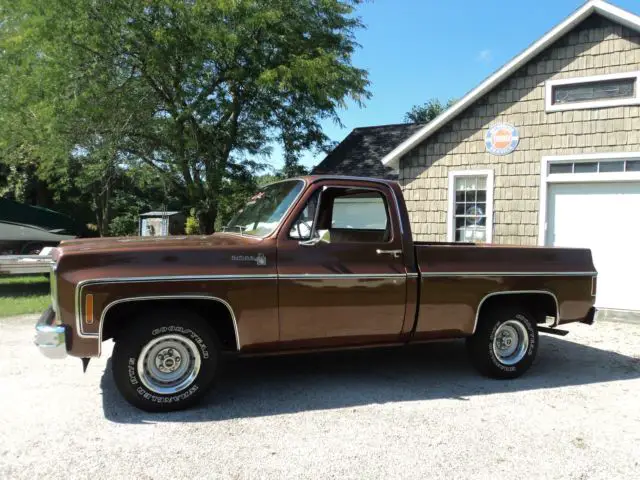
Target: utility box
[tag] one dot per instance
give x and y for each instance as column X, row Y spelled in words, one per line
column 161, row 224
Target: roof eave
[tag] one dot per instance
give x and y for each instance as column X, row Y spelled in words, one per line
column 594, row 6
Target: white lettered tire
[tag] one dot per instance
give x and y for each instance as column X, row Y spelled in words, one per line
column 505, row 343
column 165, row 361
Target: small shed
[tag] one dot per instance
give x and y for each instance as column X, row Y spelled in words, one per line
column 160, row 224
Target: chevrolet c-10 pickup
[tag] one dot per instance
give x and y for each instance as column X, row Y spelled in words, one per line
column 312, row 263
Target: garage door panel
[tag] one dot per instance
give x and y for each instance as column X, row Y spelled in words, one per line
column 605, row 218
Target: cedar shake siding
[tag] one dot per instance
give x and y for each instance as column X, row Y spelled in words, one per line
column 595, row 47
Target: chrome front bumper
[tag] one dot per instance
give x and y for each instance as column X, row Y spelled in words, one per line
column 50, row 339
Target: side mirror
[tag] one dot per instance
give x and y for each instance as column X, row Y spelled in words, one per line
column 301, row 230
column 320, row 236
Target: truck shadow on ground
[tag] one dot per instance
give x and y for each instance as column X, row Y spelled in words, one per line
column 281, row 385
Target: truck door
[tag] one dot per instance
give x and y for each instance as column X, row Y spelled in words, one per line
column 341, row 274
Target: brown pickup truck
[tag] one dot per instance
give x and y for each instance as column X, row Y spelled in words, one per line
column 308, row 264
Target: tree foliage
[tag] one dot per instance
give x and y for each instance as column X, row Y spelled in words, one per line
column 192, row 90
column 427, row 111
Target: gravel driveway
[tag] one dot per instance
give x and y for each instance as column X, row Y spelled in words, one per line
column 419, row 412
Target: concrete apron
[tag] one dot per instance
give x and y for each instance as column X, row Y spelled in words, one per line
column 622, row 316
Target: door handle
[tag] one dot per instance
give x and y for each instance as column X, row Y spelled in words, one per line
column 393, row 253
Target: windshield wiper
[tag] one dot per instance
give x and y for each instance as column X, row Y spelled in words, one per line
column 239, row 227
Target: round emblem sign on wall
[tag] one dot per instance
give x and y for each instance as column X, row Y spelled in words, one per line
column 502, row 139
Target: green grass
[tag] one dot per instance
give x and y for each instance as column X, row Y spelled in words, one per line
column 23, row 295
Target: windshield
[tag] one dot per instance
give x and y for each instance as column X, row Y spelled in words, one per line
column 263, row 212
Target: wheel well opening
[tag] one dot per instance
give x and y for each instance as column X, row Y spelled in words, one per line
column 215, row 313
column 539, row 304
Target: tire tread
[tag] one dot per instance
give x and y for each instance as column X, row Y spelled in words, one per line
column 479, row 346
column 131, row 340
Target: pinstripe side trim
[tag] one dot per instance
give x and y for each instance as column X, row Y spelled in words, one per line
column 508, row 274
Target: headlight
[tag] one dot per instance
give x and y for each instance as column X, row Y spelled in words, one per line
column 53, row 285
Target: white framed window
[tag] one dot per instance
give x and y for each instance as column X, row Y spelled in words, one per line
column 596, row 165
column 600, row 91
column 470, row 215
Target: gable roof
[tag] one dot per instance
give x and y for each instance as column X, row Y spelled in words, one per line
column 601, row 7
column 361, row 152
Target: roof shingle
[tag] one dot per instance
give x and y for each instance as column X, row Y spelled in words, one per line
column 360, row 154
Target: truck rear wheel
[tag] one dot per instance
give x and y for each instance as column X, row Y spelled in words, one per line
column 165, row 363
column 505, row 343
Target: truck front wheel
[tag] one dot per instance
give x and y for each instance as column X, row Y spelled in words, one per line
column 505, row 343
column 166, row 362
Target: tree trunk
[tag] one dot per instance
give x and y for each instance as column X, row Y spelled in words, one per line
column 102, row 205
column 42, row 194
column 207, row 220
column 98, row 213
column 106, row 209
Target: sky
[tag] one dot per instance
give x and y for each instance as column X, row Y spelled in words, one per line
column 415, row 50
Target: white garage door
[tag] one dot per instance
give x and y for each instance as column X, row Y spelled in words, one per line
column 604, row 217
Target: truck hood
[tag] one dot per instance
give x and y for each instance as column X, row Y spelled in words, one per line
column 220, row 253
column 116, row 244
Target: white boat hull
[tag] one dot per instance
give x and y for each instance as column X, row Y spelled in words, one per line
column 13, row 232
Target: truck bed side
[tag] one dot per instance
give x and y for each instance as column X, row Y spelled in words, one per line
column 457, row 279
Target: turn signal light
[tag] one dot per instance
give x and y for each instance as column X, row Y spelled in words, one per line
column 88, row 309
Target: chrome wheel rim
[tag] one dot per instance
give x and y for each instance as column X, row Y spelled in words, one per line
column 169, row 364
column 511, row 342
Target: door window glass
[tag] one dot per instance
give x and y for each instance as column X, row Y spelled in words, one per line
column 354, row 216
column 344, row 215
column 360, row 211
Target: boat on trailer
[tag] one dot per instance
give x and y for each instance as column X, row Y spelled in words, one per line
column 27, row 229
